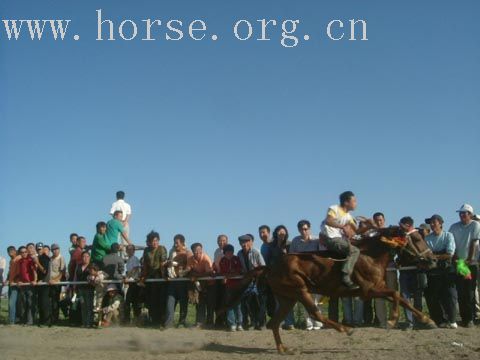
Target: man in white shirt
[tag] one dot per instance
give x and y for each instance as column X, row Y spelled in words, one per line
column 466, row 233
column 125, row 208
column 338, row 227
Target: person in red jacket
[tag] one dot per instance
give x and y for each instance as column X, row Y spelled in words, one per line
column 231, row 266
column 26, row 278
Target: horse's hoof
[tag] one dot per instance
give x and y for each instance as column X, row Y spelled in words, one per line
column 349, row 331
column 430, row 325
column 391, row 324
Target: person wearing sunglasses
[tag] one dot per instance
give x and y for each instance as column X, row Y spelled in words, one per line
column 466, row 233
column 306, row 242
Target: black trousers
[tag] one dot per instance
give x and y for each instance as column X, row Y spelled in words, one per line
column 333, row 309
column 132, row 302
column 220, row 291
column 44, row 305
column 441, row 297
column 54, row 295
column 466, row 295
column 206, row 305
column 156, row 296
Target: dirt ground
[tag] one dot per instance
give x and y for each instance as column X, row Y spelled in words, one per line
column 21, row 342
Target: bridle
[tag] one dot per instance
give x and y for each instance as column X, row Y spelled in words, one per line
column 415, row 253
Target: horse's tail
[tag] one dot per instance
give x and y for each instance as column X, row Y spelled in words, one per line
column 237, row 293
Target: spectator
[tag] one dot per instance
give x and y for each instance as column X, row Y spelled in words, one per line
column 76, row 256
column 56, row 272
column 113, row 311
column 466, row 233
column 424, row 230
column 26, row 278
column 132, row 298
column 279, row 247
column 264, row 234
column 12, row 290
column 73, row 243
column 43, row 292
column 391, row 279
column 231, row 266
column 219, row 289
column 115, row 229
column 410, row 285
column 222, row 240
column 125, row 208
column 96, row 278
column 265, row 291
column 113, row 264
column 101, row 244
column 3, row 268
column 305, row 242
column 252, row 305
column 200, row 265
column 153, row 268
column 177, row 291
column 440, row 292
column 85, row 292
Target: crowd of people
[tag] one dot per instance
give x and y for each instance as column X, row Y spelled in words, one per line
column 109, row 284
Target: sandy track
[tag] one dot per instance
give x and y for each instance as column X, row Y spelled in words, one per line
column 19, row 342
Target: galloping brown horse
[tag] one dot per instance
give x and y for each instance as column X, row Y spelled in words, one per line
column 296, row 276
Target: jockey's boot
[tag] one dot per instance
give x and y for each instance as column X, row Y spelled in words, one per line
column 349, row 283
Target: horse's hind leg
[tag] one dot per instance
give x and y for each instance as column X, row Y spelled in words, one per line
column 390, row 295
column 307, row 301
column 284, row 307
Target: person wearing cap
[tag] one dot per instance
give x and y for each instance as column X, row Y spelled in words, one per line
column 56, row 272
column 466, row 233
column 410, row 286
column 424, row 230
column 252, row 302
column 113, row 311
column 231, row 266
column 440, row 293
column 337, row 228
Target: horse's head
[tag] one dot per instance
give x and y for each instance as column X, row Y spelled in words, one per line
column 417, row 251
column 393, row 237
column 414, row 249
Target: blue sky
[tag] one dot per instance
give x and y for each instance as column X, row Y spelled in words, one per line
column 220, row 137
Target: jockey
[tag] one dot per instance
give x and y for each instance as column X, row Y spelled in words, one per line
column 338, row 227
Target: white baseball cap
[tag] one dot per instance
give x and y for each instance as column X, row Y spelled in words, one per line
column 466, row 208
